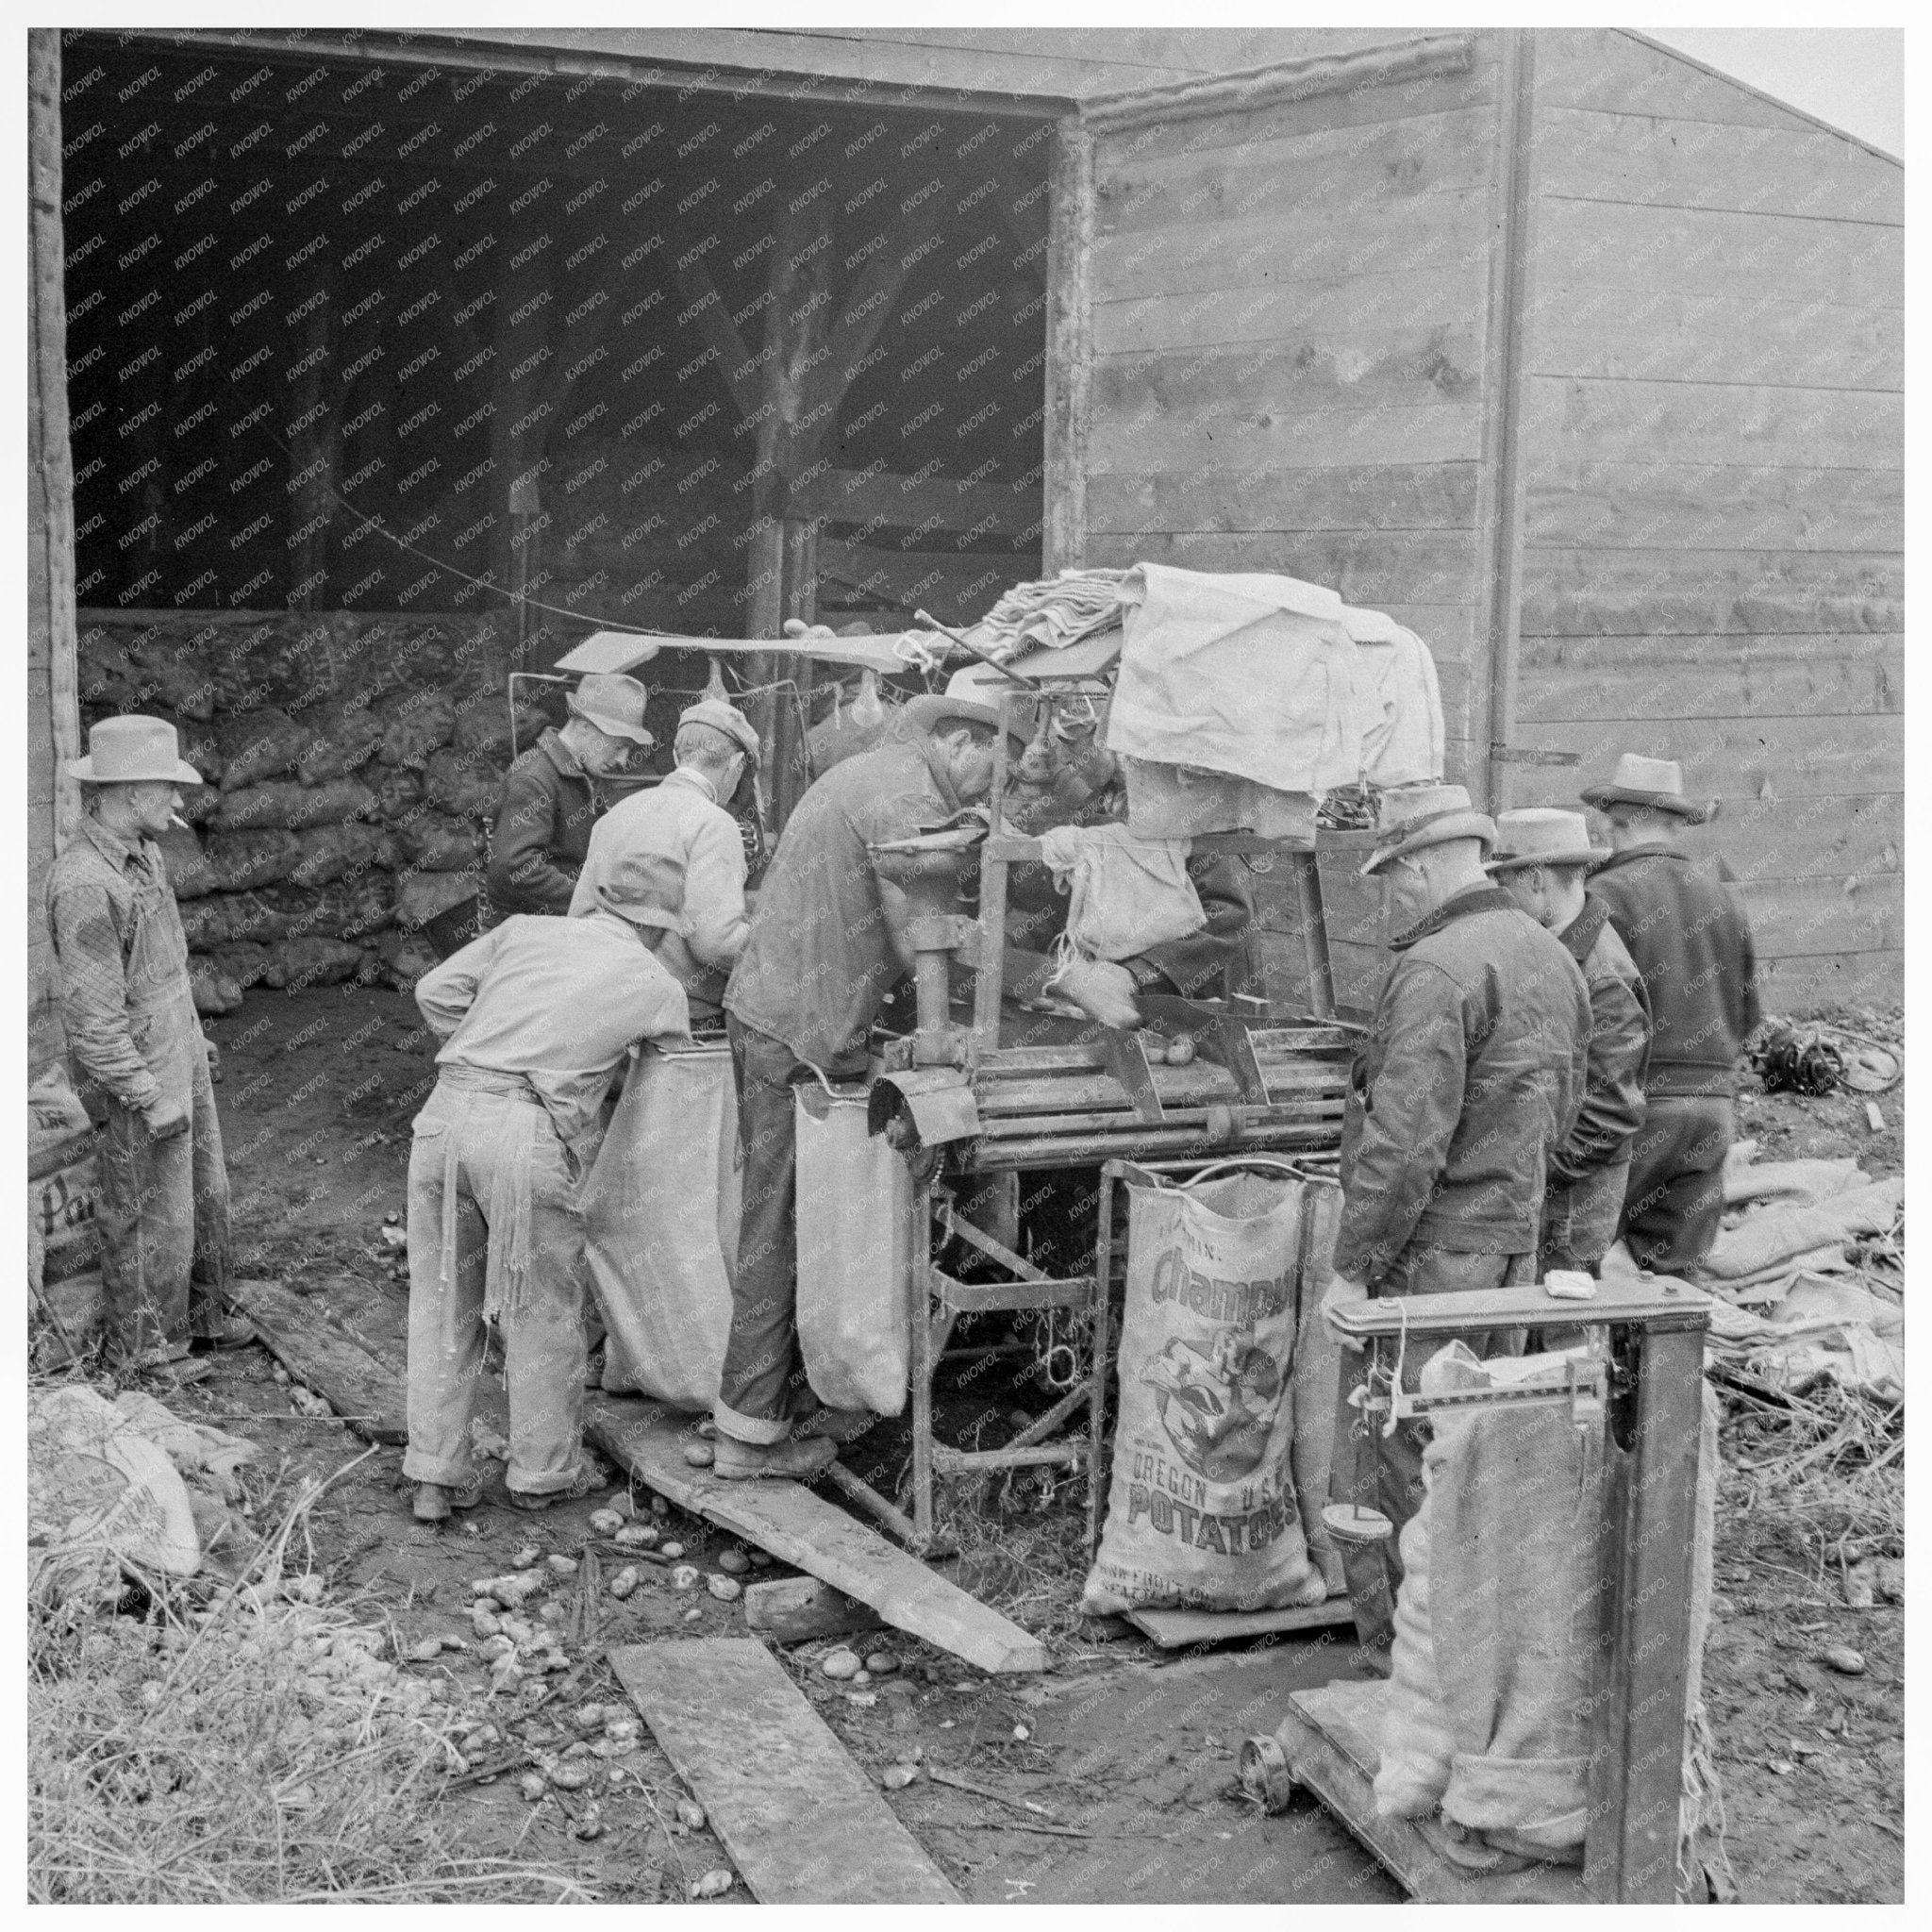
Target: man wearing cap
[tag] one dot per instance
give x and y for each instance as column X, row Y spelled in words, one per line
column 684, row 819
column 162, row 1209
column 1692, row 945
column 549, row 801
column 1468, row 1083
column 828, row 942
column 535, row 1018
column 1542, row 856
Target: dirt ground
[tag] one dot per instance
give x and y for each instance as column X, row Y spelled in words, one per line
column 1133, row 1752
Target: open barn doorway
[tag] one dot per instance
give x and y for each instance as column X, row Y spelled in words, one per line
column 347, row 334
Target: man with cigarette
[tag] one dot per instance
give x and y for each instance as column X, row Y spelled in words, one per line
column 137, row 1042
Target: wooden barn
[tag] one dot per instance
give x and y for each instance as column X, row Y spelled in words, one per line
column 367, row 360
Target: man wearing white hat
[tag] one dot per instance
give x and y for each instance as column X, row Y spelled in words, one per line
column 549, row 801
column 1468, row 1083
column 685, row 819
column 131, row 1026
column 535, row 1018
column 1693, row 946
column 1541, row 859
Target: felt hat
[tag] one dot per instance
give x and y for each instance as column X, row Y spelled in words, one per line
column 132, row 751
column 921, row 716
column 1412, row 816
column 614, row 704
column 1655, row 782
column 1543, row 835
column 647, row 888
column 723, row 717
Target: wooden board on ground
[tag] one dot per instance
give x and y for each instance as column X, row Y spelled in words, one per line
column 801, row 1822
column 1186, row 1629
column 1330, row 1738
column 803, row 1529
column 309, row 1336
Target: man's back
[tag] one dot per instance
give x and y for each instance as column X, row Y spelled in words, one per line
column 820, row 957
column 1692, row 945
column 1473, row 1074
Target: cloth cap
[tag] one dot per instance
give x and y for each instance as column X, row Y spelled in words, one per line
column 1543, row 835
column 132, row 751
column 1409, row 817
column 647, row 888
column 613, row 703
column 727, row 718
column 1655, row 782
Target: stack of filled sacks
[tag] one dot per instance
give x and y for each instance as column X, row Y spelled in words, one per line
column 347, row 802
column 1486, row 1734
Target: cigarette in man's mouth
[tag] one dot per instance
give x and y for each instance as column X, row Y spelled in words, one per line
column 175, row 818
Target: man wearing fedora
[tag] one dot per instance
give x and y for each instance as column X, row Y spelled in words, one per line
column 535, row 1018
column 829, row 941
column 162, row 1207
column 1467, row 1085
column 1541, row 860
column 549, row 800
column 1692, row 945
column 684, row 819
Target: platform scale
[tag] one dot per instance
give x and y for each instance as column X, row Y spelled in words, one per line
column 1647, row 1396
column 1032, row 1089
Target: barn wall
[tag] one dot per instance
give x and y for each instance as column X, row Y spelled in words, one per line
column 1714, row 518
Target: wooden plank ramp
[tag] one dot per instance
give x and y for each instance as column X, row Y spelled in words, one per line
column 344, row 1339
column 803, row 1529
column 1331, row 1739
column 1188, row 1629
column 801, row 1822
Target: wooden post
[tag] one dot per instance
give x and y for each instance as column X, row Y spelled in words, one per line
column 315, row 443
column 519, row 419
column 54, row 802
column 1637, row 1748
column 1500, row 617
column 1069, row 346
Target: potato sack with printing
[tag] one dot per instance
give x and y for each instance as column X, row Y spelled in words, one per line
column 1202, row 1511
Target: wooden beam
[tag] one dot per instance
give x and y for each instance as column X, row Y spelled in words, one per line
column 1069, row 345
column 1500, row 586
column 886, row 499
column 735, row 364
column 801, row 1529
column 803, row 1825
column 872, row 300
column 51, row 481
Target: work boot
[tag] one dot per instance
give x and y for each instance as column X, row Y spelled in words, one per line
column 841, row 1424
column 802, row 1459
column 434, row 1500
column 225, row 1331
column 581, row 1485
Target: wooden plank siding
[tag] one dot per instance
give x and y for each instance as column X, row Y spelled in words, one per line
column 1278, row 388
column 1713, row 564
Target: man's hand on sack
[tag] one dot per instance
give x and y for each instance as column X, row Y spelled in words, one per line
column 166, row 1118
column 1342, row 1294
column 1102, row 990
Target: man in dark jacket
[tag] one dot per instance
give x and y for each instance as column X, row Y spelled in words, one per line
column 1693, row 946
column 830, row 939
column 1468, row 1084
column 1542, row 856
column 549, row 800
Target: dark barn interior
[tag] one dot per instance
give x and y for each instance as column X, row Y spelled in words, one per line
column 448, row 334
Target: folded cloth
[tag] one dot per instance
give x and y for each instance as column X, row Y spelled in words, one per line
column 1128, row 892
column 1402, row 704
column 1781, row 1233
column 1824, row 1329
column 1256, row 675
column 1053, row 612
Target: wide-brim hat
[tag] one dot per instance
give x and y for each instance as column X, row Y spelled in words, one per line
column 1543, row 835
column 1420, row 815
column 133, row 751
column 727, row 718
column 614, row 704
column 921, row 716
column 1658, row 783
column 647, row 888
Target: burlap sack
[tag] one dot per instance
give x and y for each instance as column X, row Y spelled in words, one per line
column 439, row 842
column 261, row 745
column 287, row 806
column 465, row 783
column 238, row 861
column 419, row 725
column 334, row 852
column 293, row 965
